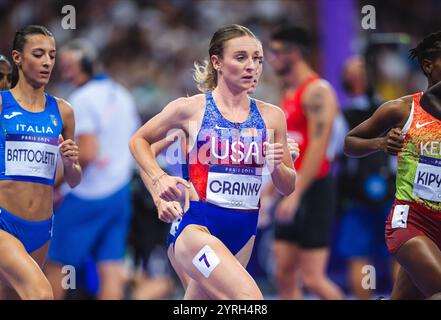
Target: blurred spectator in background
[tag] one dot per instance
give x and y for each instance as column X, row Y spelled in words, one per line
column 366, row 186
column 5, row 73
column 93, row 219
column 303, row 219
column 152, row 278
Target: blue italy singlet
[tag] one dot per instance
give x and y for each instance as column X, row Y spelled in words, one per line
column 29, row 141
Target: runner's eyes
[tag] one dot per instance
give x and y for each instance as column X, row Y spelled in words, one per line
column 39, row 55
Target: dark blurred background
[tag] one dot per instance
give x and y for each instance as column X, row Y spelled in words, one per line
column 150, row 46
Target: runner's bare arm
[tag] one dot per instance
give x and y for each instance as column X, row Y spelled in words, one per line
column 157, row 148
column 68, row 148
column 283, row 174
column 367, row 137
column 176, row 115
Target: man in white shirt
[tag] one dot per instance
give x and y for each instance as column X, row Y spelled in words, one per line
column 93, row 219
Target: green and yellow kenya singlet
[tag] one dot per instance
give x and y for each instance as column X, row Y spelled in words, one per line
column 419, row 163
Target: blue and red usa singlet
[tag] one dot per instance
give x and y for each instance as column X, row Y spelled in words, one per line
column 226, row 162
column 225, row 166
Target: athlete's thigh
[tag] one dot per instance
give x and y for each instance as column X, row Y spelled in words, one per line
column 185, row 278
column 40, row 255
column 17, row 268
column 404, row 288
column 421, row 258
column 436, row 296
column 206, row 260
column 244, row 255
column 195, row 291
column 7, row 292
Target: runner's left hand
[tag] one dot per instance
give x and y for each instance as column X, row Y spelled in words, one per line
column 273, row 154
column 293, row 148
column 69, row 151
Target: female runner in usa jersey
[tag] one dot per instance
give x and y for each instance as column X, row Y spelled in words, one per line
column 231, row 137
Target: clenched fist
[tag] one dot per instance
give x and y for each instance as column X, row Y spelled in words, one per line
column 393, row 141
column 69, row 151
column 293, row 148
column 273, row 154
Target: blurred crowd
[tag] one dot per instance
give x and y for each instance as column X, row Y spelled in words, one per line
column 149, row 46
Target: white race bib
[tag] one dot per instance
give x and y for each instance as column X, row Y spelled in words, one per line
column 399, row 217
column 175, row 225
column 234, row 187
column 32, row 156
column 427, row 184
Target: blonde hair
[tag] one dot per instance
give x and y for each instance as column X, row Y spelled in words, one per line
column 204, row 74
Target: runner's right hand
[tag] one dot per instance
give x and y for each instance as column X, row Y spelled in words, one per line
column 168, row 211
column 167, row 187
column 393, row 141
